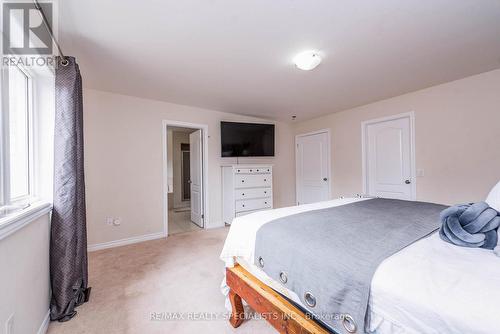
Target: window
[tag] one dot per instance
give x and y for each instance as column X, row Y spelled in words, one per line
column 16, row 151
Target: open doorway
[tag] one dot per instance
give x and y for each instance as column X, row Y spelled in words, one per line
column 185, row 170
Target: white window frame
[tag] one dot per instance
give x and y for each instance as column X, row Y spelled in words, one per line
column 5, row 196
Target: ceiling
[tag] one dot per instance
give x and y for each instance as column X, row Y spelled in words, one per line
column 236, row 56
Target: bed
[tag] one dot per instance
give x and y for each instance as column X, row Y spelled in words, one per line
column 428, row 287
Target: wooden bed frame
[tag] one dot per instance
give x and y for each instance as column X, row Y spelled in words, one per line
column 280, row 313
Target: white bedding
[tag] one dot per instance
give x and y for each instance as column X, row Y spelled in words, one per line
column 429, row 287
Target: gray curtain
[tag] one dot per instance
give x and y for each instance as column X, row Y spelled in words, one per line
column 68, row 244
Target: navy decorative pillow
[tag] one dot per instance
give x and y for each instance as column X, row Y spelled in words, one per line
column 470, row 225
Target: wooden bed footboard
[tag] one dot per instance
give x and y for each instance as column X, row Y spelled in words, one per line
column 280, row 313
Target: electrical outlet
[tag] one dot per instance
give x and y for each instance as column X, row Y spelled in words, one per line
column 109, row 221
column 9, row 325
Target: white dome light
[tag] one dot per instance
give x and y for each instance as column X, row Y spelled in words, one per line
column 307, row 60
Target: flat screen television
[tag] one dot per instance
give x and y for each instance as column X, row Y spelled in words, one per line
column 247, row 139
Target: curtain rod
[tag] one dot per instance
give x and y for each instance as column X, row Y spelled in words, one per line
column 64, row 61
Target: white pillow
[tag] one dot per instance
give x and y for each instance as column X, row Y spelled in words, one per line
column 493, row 198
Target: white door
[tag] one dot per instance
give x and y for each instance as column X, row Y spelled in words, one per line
column 313, row 168
column 196, row 182
column 389, row 159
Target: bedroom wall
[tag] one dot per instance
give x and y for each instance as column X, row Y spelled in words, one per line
column 24, row 278
column 457, row 127
column 123, row 161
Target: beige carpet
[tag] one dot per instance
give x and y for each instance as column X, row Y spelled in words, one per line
column 179, row 276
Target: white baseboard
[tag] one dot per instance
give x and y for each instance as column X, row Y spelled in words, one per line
column 127, row 241
column 45, row 324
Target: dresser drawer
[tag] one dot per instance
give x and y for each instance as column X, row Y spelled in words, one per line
column 253, row 204
column 252, row 170
column 253, row 193
column 252, row 180
column 244, row 213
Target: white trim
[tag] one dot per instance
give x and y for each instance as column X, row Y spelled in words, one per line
column 17, row 220
column 411, row 116
column 5, row 192
column 44, row 326
column 4, row 92
column 126, row 241
column 204, row 130
column 313, row 133
column 329, row 161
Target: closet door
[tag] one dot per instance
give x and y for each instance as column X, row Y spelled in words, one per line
column 313, row 168
column 388, row 159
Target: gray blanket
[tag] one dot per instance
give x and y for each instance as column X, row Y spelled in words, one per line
column 329, row 256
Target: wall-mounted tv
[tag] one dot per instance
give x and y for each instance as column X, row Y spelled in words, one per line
column 247, row 139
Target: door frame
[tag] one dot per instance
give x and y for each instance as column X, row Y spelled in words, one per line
column 328, row 160
column 204, row 158
column 364, row 151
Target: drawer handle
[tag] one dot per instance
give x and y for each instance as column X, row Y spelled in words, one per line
column 265, row 202
column 265, row 192
column 250, row 170
column 242, row 180
column 238, row 170
column 243, row 205
column 265, row 180
column 243, row 194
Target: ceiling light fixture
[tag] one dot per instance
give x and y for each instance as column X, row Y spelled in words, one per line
column 307, row 60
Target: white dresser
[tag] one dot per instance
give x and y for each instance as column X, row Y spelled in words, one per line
column 246, row 189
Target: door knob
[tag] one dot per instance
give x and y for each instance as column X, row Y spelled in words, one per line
column 325, row 179
column 407, row 181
